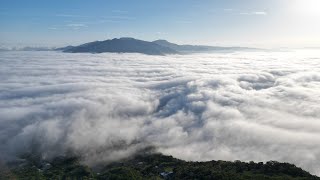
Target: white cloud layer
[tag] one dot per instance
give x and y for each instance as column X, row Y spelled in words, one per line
column 249, row 106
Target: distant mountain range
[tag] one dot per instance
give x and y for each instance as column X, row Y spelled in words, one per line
column 198, row 48
column 131, row 45
column 121, row 45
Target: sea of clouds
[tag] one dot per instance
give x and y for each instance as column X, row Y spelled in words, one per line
column 245, row 106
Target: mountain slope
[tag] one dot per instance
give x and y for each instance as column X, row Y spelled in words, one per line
column 131, row 45
column 157, row 166
column 122, row 45
column 198, row 48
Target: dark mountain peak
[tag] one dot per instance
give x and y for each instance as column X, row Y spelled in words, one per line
column 161, row 41
column 164, row 43
column 127, row 38
column 122, row 39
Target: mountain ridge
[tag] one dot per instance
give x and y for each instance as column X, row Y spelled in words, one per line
column 132, row 45
column 122, row 45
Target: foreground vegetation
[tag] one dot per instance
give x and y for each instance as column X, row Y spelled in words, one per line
column 153, row 166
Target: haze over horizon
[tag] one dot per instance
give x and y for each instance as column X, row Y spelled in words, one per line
column 254, row 23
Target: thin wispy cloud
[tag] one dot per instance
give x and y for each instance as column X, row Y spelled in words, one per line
column 120, row 17
column 119, row 12
column 106, row 21
column 259, row 13
column 228, row 10
column 76, row 25
column 71, row 16
column 235, row 11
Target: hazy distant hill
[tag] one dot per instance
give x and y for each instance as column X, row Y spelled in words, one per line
column 4, row 49
column 131, row 45
column 64, row 48
column 35, row 49
column 198, row 48
column 122, row 45
column 27, row 48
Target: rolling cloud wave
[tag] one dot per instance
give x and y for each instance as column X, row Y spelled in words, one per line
column 257, row 106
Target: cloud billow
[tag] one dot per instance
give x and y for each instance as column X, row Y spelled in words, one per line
column 249, row 106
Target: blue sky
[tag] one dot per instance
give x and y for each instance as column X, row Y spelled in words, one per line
column 262, row 23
